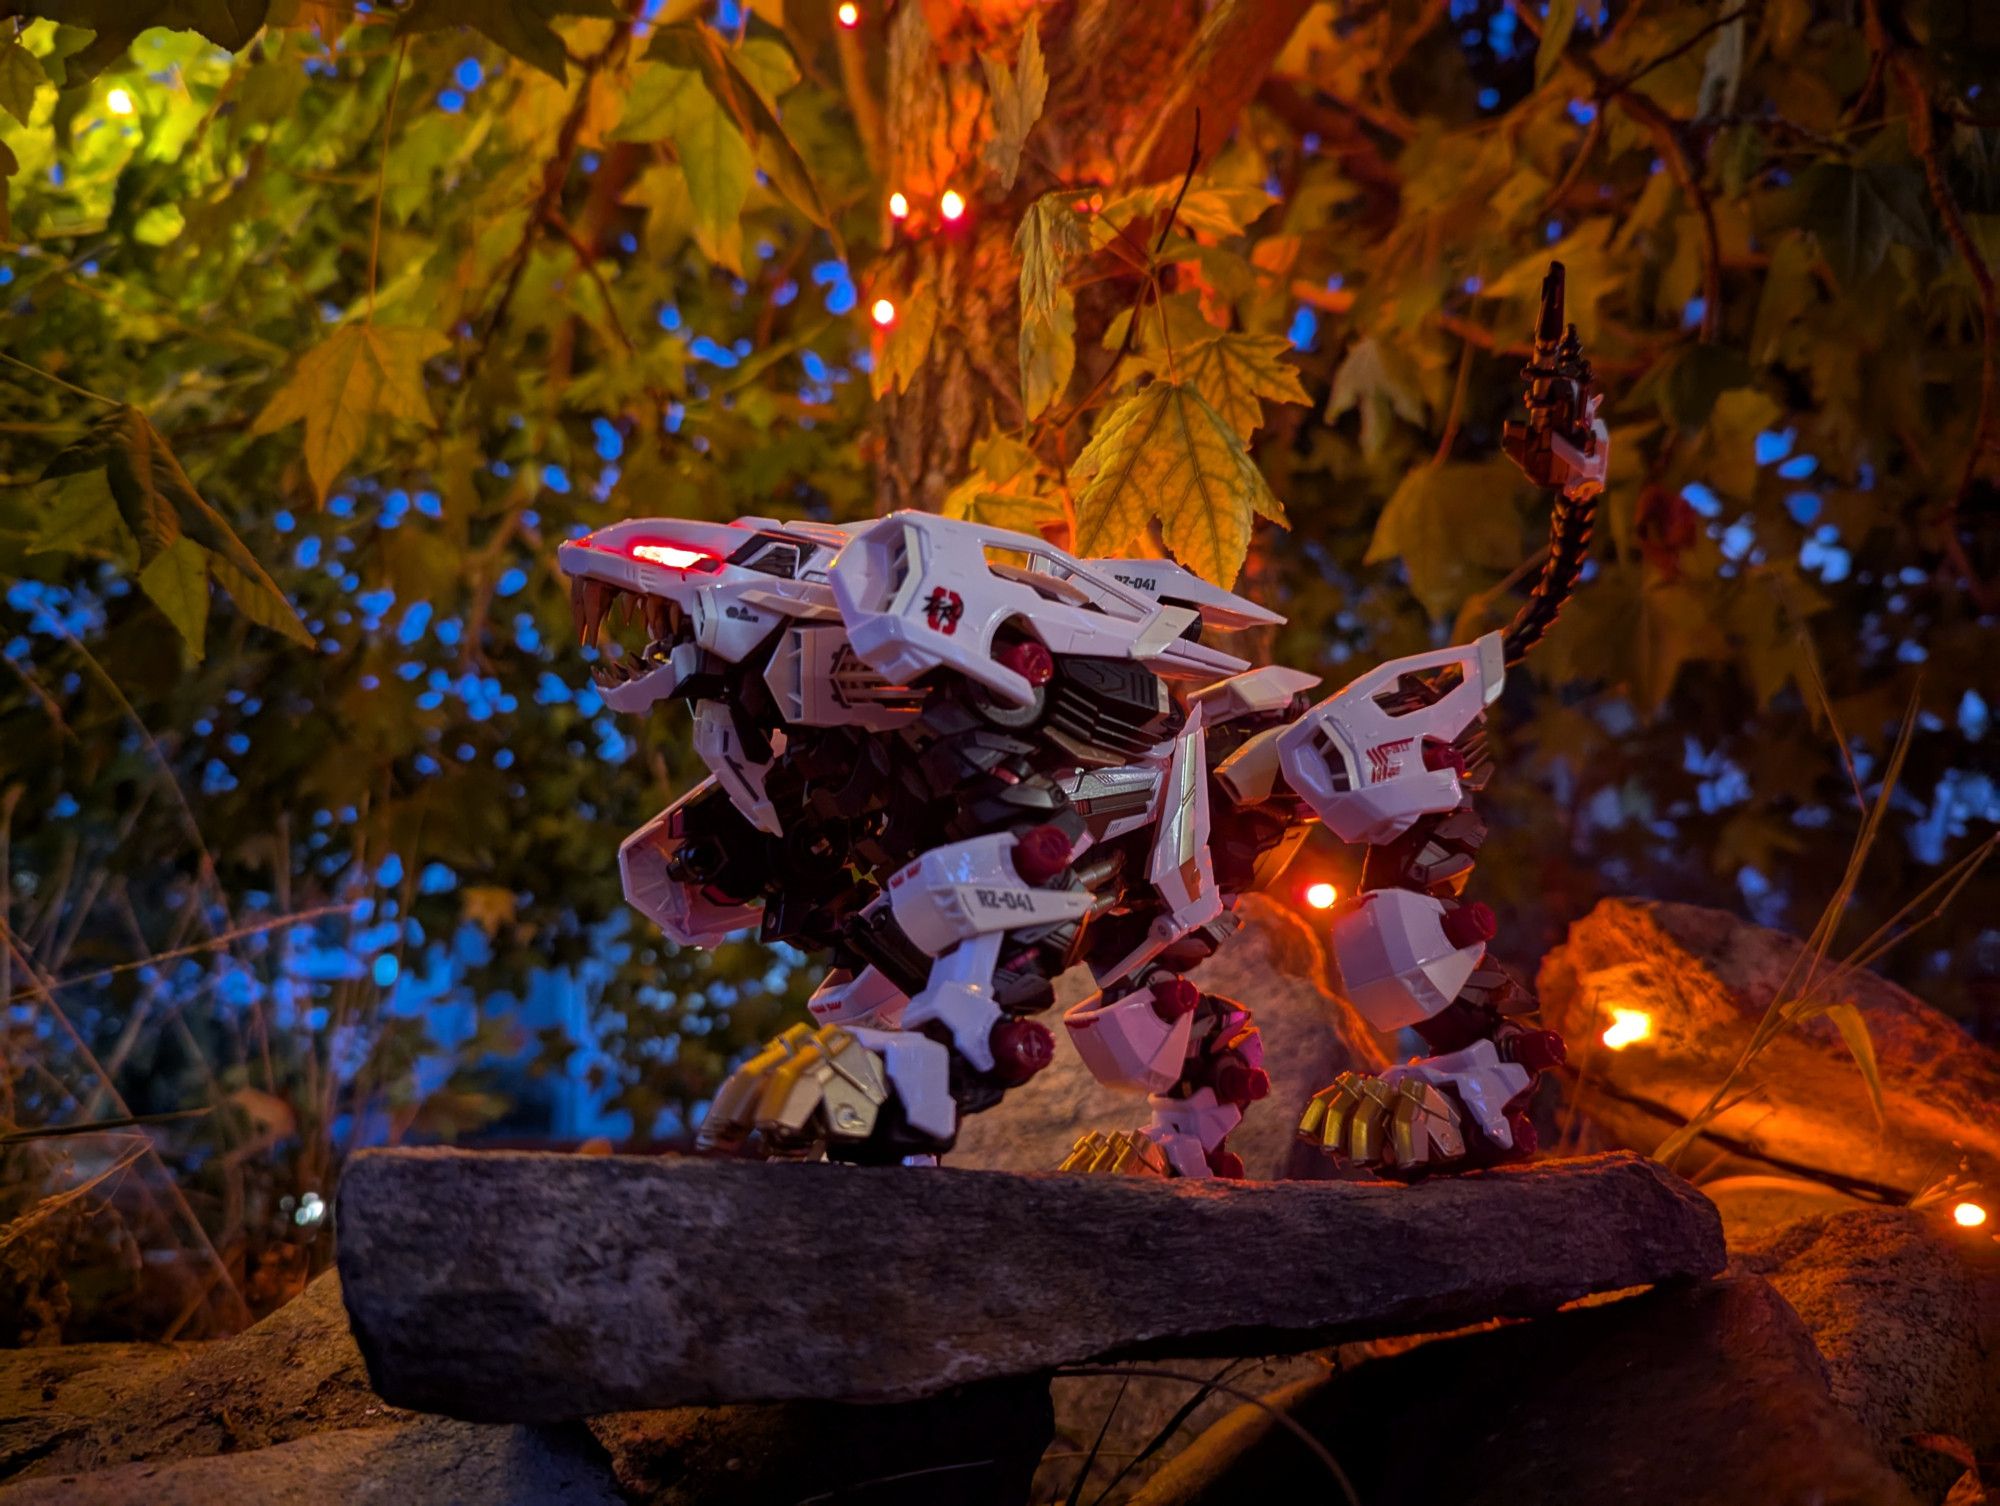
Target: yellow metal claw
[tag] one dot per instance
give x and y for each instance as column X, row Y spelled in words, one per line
column 1367, row 1121
column 808, row 1084
column 1126, row 1153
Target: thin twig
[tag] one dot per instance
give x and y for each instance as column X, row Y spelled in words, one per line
column 50, row 376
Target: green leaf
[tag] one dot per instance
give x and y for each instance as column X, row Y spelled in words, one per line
column 1380, row 382
column 1235, row 372
column 1445, row 522
column 21, row 75
column 658, row 100
column 361, row 373
column 1018, row 94
column 177, row 583
column 1857, row 213
column 522, row 27
column 1557, row 26
column 720, row 170
column 1165, row 453
column 1853, row 1028
column 230, row 24
column 696, row 46
column 158, row 504
column 1699, row 376
column 1738, row 418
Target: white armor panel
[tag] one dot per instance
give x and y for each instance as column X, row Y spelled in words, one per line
column 1485, row 1084
column 1396, row 964
column 1362, row 768
column 819, row 681
column 1187, row 1129
column 844, row 998
column 1126, row 1044
column 919, row 592
column 676, row 908
column 715, row 740
column 970, row 888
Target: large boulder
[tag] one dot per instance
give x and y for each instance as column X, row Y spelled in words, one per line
column 1277, row 968
column 511, row 1286
column 1704, row 979
column 296, row 1373
column 433, row 1459
column 1707, row 1393
column 1906, row 1311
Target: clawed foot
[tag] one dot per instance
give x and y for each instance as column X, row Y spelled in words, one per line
column 1125, row 1153
column 808, row 1087
column 1405, row 1126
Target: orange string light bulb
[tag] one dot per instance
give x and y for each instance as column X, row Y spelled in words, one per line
column 848, row 14
column 952, row 205
column 884, row 312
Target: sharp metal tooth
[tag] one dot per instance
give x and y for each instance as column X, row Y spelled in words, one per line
column 628, row 606
column 656, row 617
column 576, row 585
column 596, row 601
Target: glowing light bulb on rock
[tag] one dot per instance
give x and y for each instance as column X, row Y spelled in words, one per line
column 884, row 312
column 1968, row 1215
column 952, row 205
column 1627, row 1026
column 1321, row 896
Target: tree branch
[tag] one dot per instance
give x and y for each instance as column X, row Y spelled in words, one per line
column 1219, row 71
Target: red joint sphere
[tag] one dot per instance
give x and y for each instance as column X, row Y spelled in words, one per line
column 1442, row 755
column 1239, row 1083
column 1029, row 660
column 1021, row 1048
column 1537, row 1050
column 1469, row 925
column 1040, row 853
column 1174, row 998
column 1226, row 1164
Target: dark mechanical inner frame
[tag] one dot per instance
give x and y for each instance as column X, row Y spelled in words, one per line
column 962, row 761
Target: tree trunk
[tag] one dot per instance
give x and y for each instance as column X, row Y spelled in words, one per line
column 1125, row 83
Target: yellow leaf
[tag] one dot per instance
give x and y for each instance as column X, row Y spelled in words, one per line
column 176, row 581
column 909, row 338
column 1049, row 236
column 488, row 906
column 1234, row 372
column 362, row 373
column 1018, row 95
column 1379, row 381
column 1853, row 1028
column 1444, row 523
column 1008, row 487
column 20, row 76
column 1165, row 453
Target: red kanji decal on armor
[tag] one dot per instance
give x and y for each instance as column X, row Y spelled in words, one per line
column 1383, row 762
column 943, row 610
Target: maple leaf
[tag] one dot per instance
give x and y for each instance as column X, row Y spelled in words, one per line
column 908, row 340
column 1444, row 521
column 1379, row 382
column 1234, row 371
column 1049, row 236
column 522, row 27
column 1165, row 453
column 21, row 74
column 1008, row 487
column 159, row 505
column 1018, row 94
column 176, row 581
column 361, row 373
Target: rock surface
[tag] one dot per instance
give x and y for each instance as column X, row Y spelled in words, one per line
column 763, row 1282
column 1906, row 1312
column 1711, row 1394
column 49, row 1397
column 296, row 1373
column 1705, row 978
column 1276, row 968
column 975, row 1446
column 432, row 1460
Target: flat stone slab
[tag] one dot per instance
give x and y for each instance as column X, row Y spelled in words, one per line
column 523, row 1287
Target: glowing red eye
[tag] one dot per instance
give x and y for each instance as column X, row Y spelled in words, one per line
column 672, row 555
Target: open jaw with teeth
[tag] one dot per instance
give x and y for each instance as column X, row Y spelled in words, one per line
column 635, row 679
